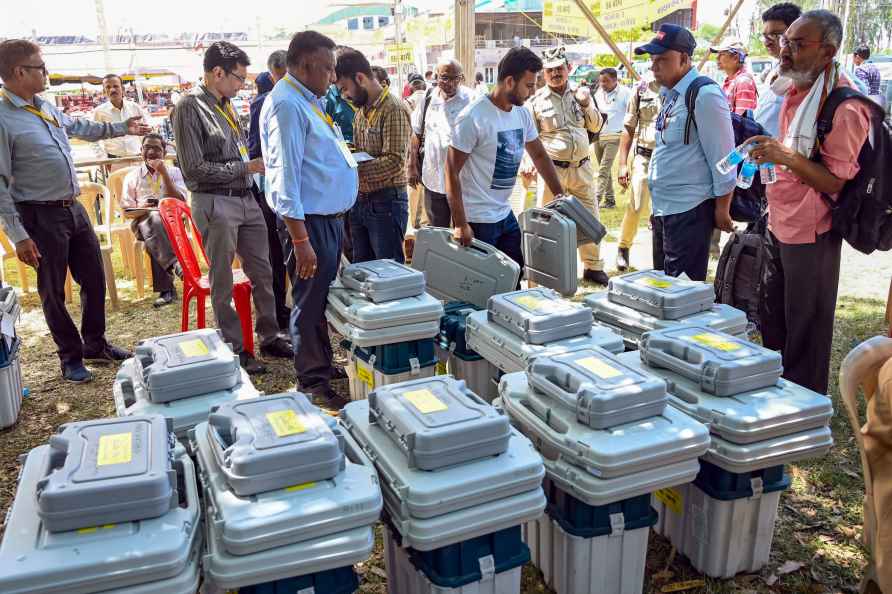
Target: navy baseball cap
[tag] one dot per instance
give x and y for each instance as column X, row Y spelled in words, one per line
column 669, row 37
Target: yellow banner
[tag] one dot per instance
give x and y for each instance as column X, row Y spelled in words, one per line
column 564, row 16
column 430, row 31
column 400, row 53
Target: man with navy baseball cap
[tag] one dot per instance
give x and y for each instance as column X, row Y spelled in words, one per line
column 689, row 196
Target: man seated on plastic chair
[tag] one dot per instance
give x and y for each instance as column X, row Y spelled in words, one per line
column 143, row 188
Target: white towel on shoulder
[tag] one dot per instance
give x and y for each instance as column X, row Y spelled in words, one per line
column 802, row 133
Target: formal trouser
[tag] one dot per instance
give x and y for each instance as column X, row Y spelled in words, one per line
column 378, row 225
column 309, row 329
column 639, row 204
column 810, row 284
column 681, row 241
column 578, row 181
column 276, row 262
column 605, row 149
column 437, row 207
column 417, row 212
column 65, row 239
column 150, row 230
column 504, row 235
column 231, row 225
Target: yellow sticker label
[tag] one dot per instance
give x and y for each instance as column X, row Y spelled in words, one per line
column 194, row 348
column 599, row 367
column 116, row 448
column 672, row 499
column 656, row 283
column 540, row 305
column 682, row 586
column 285, row 422
column 425, row 401
column 92, row 529
column 300, row 487
column 441, row 368
column 365, row 376
column 717, row 342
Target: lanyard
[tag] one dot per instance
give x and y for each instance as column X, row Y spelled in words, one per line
column 38, row 113
column 370, row 115
column 229, row 120
column 322, row 116
column 155, row 185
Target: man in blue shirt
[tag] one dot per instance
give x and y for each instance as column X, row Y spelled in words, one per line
column 775, row 21
column 690, row 197
column 311, row 181
column 39, row 208
column 265, row 82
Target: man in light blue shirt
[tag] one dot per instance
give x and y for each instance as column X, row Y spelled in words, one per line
column 775, row 21
column 311, row 181
column 690, row 197
column 38, row 207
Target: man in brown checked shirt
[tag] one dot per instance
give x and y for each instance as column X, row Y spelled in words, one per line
column 382, row 129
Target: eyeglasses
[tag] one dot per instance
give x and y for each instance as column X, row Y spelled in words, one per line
column 797, row 44
column 771, row 37
column 42, row 68
column 240, row 78
column 449, row 79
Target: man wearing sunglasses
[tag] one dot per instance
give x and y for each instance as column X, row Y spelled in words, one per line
column 775, row 21
column 39, row 208
column 212, row 150
column 689, row 196
column 808, row 172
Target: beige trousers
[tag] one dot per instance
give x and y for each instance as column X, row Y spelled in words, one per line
column 639, row 205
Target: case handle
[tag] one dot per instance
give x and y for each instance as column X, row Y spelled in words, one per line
column 686, row 357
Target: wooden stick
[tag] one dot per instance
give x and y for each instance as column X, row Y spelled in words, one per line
column 586, row 11
column 721, row 33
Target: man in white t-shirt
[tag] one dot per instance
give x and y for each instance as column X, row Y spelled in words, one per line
column 488, row 141
column 612, row 100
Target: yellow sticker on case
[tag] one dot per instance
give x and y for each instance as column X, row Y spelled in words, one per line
column 672, row 499
column 654, row 282
column 717, row 342
column 425, row 401
column 285, row 423
column 194, row 348
column 599, row 367
column 116, row 448
column 365, row 376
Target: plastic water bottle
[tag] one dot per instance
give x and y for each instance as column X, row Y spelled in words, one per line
column 734, row 158
column 747, row 174
column 768, row 173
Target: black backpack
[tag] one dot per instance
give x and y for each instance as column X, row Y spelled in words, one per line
column 862, row 214
column 747, row 277
column 747, row 205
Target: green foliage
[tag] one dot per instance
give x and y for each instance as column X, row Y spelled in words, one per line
column 606, row 61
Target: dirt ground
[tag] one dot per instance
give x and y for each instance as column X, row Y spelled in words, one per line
column 817, row 538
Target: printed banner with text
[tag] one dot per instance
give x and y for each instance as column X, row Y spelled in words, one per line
column 564, row 16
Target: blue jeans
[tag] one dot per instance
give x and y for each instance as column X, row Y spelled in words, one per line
column 378, row 225
column 504, row 235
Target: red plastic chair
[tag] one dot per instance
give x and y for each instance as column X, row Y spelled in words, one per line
column 174, row 215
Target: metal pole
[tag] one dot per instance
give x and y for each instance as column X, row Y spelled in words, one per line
column 103, row 33
column 586, row 11
column 846, row 33
column 398, row 21
column 721, row 32
column 464, row 37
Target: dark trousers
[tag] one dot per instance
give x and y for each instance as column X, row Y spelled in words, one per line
column 150, row 230
column 378, row 225
column 65, row 239
column 276, row 262
column 505, row 235
column 437, row 208
column 309, row 329
column 681, row 241
column 810, row 274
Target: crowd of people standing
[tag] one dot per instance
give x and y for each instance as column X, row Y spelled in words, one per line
column 335, row 163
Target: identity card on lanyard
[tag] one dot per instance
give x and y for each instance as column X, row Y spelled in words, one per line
column 342, row 144
column 230, row 118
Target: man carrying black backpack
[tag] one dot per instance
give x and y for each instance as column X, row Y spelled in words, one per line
column 811, row 173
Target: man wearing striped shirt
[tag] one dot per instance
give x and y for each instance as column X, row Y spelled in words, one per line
column 739, row 86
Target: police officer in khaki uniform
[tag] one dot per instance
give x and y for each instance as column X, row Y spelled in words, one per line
column 638, row 135
column 564, row 116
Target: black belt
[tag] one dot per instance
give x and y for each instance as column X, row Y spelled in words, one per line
column 50, row 203
column 644, row 152
column 337, row 215
column 569, row 164
column 233, row 192
column 367, row 195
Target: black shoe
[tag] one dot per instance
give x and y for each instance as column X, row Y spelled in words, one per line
column 622, row 259
column 76, row 373
column 609, row 204
column 251, row 365
column 164, row 298
column 110, row 353
column 328, row 398
column 279, row 348
column 598, row 277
